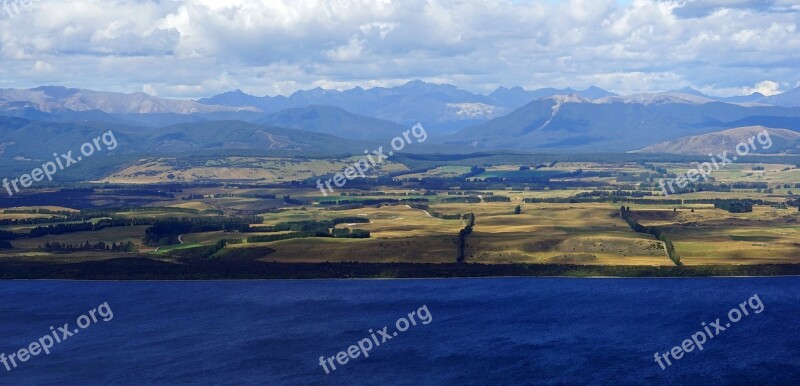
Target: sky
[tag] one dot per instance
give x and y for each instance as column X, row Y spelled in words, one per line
column 197, row 48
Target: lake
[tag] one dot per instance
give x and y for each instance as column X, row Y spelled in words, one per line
column 464, row 331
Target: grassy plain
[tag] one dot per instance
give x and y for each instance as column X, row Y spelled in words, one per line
column 577, row 233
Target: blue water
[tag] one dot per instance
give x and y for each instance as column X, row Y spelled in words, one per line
column 481, row 331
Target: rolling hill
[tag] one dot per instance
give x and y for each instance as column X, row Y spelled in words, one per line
column 25, row 145
column 334, row 121
column 783, row 141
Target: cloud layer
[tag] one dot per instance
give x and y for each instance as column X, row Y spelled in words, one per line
column 196, row 48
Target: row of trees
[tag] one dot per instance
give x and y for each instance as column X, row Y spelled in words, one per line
column 60, row 229
column 439, row 215
column 374, row 201
column 630, row 218
column 341, row 233
column 496, row 199
column 462, row 237
column 310, row 225
column 734, row 206
column 220, row 245
column 100, row 246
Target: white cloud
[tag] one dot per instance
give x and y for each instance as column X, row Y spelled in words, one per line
column 201, row 47
column 350, row 51
column 766, row 87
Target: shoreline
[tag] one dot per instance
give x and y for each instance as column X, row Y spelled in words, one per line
column 391, row 279
column 141, row 269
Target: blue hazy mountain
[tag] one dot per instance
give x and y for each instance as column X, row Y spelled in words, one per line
column 614, row 124
column 790, row 98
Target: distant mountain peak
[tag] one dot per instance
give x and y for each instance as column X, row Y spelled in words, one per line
column 56, row 99
column 57, row 91
column 594, row 92
column 690, row 91
column 790, row 98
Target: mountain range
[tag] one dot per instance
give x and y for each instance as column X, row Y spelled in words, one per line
column 613, row 124
column 543, row 120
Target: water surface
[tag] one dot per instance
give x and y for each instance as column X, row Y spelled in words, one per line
column 483, row 331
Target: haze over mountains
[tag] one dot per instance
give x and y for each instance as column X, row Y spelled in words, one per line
column 544, row 120
column 614, row 124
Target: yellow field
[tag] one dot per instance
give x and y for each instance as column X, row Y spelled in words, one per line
column 262, row 169
column 714, row 236
column 585, row 234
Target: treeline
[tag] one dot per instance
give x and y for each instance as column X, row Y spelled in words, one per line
column 639, row 201
column 100, row 246
column 462, row 200
column 603, row 196
column 614, row 193
column 709, row 187
column 56, row 217
column 37, row 211
column 380, row 194
column 36, row 221
column 462, row 237
column 86, row 215
column 229, row 195
column 348, row 233
column 610, row 199
column 160, row 228
column 220, row 245
column 498, row 183
column 309, row 225
column 343, row 233
column 734, row 206
column 135, row 192
column 166, row 231
column 470, row 193
column 376, row 201
column 496, row 199
column 148, row 209
column 475, row 199
column 59, row 229
column 629, row 217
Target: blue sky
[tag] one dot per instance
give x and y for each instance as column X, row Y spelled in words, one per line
column 196, row 48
